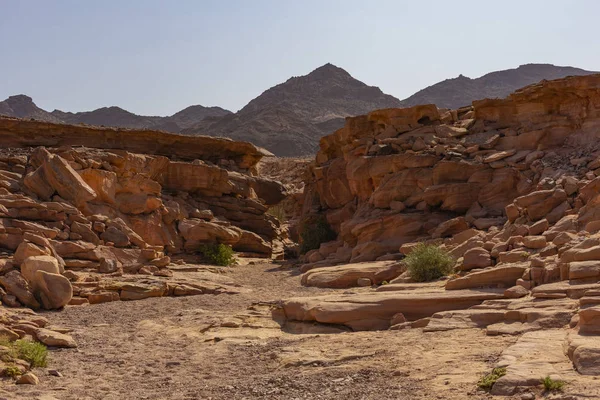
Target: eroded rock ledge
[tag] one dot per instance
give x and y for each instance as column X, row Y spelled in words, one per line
column 68, row 211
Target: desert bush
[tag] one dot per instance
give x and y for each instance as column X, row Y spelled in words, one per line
column 314, row 232
column 427, row 262
column 278, row 212
column 34, row 353
column 218, row 254
column 12, row 371
column 488, row 381
column 551, row 385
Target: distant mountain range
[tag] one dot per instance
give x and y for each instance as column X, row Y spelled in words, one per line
column 288, row 119
column 461, row 91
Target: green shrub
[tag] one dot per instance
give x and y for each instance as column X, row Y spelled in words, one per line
column 34, row 353
column 12, row 371
column 278, row 212
column 314, row 232
column 218, row 254
column 427, row 262
column 488, row 381
column 551, row 385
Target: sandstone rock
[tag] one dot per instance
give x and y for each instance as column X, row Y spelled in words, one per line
column 114, row 235
column 476, row 258
column 32, row 264
column 505, row 275
column 363, row 282
column 54, row 339
column 539, row 227
column 55, row 291
column 584, row 269
column 15, row 284
column 589, row 320
column 374, row 311
column 450, row 227
column 28, row 378
column 515, row 292
column 534, row 242
column 103, row 297
column 86, row 232
column 28, row 249
column 512, row 212
column 109, row 266
column 586, row 360
column 67, row 183
column 345, row 276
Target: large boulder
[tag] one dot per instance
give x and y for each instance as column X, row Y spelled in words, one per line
column 55, row 291
column 58, row 174
column 345, row 276
column 504, row 275
column 16, row 285
column 43, row 275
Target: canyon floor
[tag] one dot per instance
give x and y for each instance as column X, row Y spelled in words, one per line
column 229, row 347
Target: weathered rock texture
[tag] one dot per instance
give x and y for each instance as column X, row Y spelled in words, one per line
column 396, row 176
column 124, row 203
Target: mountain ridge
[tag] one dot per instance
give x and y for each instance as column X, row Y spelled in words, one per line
column 290, row 117
column 462, row 90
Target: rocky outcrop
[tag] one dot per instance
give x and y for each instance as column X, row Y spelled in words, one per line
column 107, row 209
column 395, row 176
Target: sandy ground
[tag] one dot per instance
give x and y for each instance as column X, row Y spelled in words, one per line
column 228, row 347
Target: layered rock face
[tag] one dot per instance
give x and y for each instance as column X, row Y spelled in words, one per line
column 122, row 206
column 395, row 176
column 509, row 188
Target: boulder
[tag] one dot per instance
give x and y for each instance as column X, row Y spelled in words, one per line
column 54, row 290
column 346, row 276
column 16, row 285
column 36, row 263
column 374, row 311
column 477, row 257
column 28, row 249
column 65, row 180
column 501, row 275
column 54, row 339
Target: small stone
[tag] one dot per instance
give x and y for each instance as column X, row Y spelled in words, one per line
column 28, row 379
column 54, row 372
column 516, row 292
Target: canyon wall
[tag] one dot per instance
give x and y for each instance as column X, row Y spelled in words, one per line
column 396, row 176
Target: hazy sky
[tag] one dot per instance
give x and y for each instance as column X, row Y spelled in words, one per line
column 156, row 57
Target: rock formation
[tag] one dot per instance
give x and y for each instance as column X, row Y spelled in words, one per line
column 123, row 204
column 509, row 188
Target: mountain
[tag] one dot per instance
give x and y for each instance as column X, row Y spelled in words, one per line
column 461, row 91
column 22, row 106
column 290, row 118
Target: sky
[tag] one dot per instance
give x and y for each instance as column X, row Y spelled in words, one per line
column 156, row 57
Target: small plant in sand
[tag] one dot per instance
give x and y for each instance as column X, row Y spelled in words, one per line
column 218, row 254
column 551, row 385
column 428, row 262
column 35, row 353
column 488, row 381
